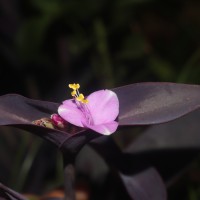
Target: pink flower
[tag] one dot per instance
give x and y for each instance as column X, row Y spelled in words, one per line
column 97, row 112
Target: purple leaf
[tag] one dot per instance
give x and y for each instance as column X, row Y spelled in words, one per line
column 18, row 111
column 139, row 104
column 164, row 160
column 141, row 182
column 158, row 146
column 182, row 133
column 153, row 103
column 177, row 139
column 9, row 194
column 145, row 185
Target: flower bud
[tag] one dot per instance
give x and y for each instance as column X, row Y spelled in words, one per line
column 58, row 121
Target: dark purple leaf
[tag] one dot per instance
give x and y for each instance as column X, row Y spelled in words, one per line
column 169, row 147
column 164, row 143
column 9, row 194
column 182, row 133
column 168, row 162
column 153, row 103
column 142, row 103
column 145, row 185
column 18, row 111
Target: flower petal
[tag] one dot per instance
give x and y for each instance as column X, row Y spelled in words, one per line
column 71, row 113
column 105, row 129
column 103, row 106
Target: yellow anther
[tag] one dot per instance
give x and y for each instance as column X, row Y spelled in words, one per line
column 73, row 93
column 81, row 98
column 74, row 86
column 85, row 101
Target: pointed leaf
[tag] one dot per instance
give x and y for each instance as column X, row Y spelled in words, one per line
column 140, row 104
column 20, row 112
column 145, row 185
column 153, row 103
column 176, row 139
column 9, row 194
column 169, row 147
column 182, row 133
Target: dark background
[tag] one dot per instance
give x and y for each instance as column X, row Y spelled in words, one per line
column 47, row 44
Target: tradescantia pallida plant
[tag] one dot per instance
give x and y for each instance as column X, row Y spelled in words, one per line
column 82, row 120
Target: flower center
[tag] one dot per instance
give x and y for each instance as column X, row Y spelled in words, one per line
column 81, row 102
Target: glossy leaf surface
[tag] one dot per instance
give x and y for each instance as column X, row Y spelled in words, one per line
column 153, row 103
column 18, row 111
column 169, row 147
column 140, row 104
column 182, row 133
column 145, row 185
column 162, row 144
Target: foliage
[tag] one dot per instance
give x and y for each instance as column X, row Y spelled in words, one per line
column 101, row 44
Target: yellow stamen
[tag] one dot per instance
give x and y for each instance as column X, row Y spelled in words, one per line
column 74, row 86
column 85, row 101
column 73, row 93
column 81, row 98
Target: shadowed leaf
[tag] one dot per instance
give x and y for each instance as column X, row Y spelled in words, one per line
column 164, row 143
column 181, row 133
column 145, row 185
column 169, row 147
column 20, row 112
column 153, row 103
column 140, row 104
column 9, row 194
